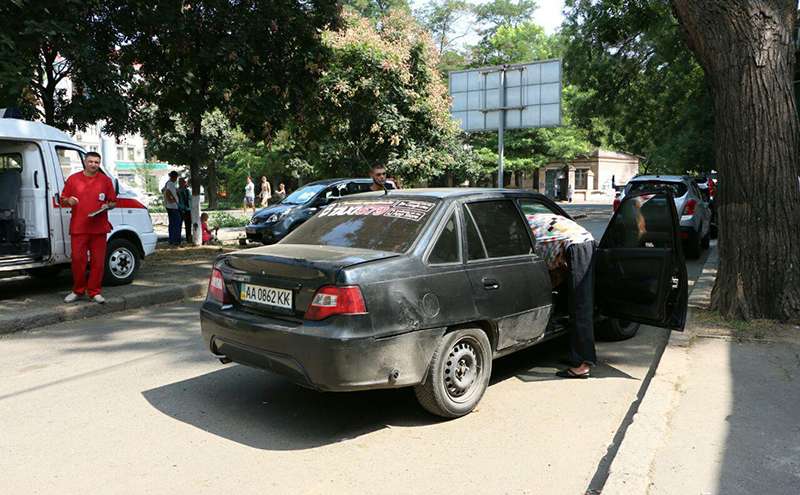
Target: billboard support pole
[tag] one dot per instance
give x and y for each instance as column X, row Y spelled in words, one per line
column 500, row 129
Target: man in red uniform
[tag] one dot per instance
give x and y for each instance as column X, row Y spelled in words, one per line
column 90, row 194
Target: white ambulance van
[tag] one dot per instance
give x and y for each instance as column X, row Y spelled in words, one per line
column 35, row 160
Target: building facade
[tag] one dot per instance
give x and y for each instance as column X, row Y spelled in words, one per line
column 589, row 177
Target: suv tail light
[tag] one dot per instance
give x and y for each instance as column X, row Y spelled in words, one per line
column 689, row 208
column 616, row 203
column 216, row 288
column 333, row 300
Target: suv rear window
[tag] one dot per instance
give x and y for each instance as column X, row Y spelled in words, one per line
column 380, row 225
column 677, row 189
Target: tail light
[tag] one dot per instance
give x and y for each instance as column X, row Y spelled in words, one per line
column 216, row 288
column 333, row 300
column 616, row 203
column 689, row 208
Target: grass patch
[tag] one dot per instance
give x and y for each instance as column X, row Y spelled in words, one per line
column 712, row 323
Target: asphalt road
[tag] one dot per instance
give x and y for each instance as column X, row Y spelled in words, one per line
column 134, row 403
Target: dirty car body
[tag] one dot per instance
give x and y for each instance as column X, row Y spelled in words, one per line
column 365, row 293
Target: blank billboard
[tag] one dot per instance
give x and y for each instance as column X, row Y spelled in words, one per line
column 532, row 96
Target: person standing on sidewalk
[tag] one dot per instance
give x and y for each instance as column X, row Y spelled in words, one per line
column 185, row 207
column 266, row 192
column 250, row 195
column 170, row 191
column 90, row 194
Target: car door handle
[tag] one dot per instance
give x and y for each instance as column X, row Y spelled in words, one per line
column 490, row 283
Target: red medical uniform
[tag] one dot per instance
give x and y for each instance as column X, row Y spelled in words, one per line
column 88, row 234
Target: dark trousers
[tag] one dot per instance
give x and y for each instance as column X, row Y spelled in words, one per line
column 174, row 217
column 580, row 286
column 187, row 223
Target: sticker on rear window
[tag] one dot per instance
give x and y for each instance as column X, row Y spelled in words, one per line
column 405, row 209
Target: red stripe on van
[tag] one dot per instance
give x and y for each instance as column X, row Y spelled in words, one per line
column 130, row 203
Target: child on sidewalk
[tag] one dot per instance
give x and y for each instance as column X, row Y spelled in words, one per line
column 208, row 236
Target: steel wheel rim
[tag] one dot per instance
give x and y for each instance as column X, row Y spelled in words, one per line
column 121, row 262
column 463, row 370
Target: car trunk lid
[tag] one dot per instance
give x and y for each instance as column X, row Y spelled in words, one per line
column 301, row 269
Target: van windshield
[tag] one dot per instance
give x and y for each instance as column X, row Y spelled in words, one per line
column 378, row 225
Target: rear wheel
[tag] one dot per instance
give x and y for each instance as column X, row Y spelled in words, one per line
column 458, row 374
column 613, row 329
column 122, row 262
column 693, row 246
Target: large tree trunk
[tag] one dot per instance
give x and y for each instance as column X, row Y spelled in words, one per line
column 212, row 185
column 746, row 48
column 194, row 172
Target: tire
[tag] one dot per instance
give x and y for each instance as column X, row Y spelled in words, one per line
column 706, row 241
column 122, row 262
column 466, row 352
column 693, row 246
column 614, row 330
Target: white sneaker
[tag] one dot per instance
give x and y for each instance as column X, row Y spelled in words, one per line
column 99, row 299
column 72, row 297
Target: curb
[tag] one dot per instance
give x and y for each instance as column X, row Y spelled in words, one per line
column 630, row 471
column 58, row 314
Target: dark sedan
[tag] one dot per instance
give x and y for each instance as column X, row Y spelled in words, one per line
column 425, row 288
column 273, row 223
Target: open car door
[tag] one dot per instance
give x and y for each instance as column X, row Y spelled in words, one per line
column 640, row 271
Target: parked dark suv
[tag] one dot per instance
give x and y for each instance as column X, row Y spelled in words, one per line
column 426, row 287
column 271, row 224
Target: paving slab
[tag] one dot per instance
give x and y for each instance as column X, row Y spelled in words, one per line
column 166, row 276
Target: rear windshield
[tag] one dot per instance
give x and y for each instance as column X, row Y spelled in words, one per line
column 379, row 225
column 677, row 189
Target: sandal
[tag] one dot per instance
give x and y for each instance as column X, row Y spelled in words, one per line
column 568, row 373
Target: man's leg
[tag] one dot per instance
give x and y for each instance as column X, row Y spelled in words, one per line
column 187, row 224
column 581, row 303
column 174, row 226
column 80, row 244
column 97, row 263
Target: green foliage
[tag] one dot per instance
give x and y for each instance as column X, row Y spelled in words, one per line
column 641, row 90
column 440, row 17
column 498, row 13
column 380, row 99
column 223, row 219
column 376, row 9
column 52, row 41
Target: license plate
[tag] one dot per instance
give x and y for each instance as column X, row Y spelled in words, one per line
column 268, row 296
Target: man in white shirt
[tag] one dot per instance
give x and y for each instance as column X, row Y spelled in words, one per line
column 170, row 191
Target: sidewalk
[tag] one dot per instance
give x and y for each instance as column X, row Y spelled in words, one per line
column 167, row 275
column 720, row 415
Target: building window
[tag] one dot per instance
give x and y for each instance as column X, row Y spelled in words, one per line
column 131, row 158
column 582, row 178
column 120, row 153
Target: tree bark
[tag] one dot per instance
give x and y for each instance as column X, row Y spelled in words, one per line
column 194, row 173
column 212, row 185
column 746, row 48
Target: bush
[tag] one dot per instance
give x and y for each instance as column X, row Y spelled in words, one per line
column 221, row 219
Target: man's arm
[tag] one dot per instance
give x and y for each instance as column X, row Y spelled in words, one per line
column 67, row 195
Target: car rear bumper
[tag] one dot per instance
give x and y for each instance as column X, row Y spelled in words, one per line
column 315, row 360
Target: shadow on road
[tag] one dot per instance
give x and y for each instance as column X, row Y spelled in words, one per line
column 265, row 411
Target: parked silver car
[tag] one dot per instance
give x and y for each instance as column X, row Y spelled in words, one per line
column 689, row 202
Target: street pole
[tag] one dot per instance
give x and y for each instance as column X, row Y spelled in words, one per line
column 501, row 127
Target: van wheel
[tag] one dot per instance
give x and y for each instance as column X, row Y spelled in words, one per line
column 458, row 374
column 613, row 329
column 122, row 262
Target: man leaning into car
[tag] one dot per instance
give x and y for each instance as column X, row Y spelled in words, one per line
column 569, row 250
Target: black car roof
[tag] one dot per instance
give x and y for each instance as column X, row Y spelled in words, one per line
column 327, row 182
column 449, row 193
